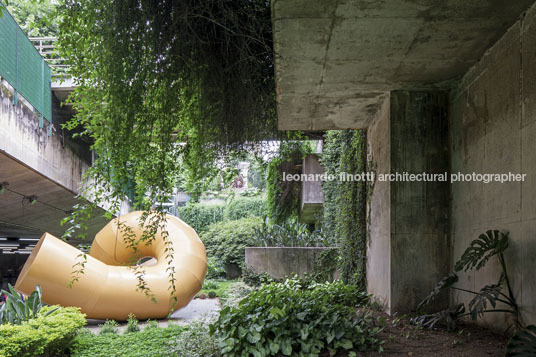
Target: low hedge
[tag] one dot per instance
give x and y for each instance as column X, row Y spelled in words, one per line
column 242, row 207
column 199, row 215
column 227, row 240
column 43, row 336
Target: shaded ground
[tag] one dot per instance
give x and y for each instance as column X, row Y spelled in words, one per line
column 404, row 339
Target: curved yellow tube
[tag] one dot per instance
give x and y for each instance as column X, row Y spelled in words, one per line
column 107, row 288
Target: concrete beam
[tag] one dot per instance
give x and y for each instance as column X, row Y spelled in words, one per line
column 337, row 60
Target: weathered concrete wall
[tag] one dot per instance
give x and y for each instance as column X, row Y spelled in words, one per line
column 408, row 249
column 23, row 139
column 419, row 209
column 493, row 130
column 280, row 262
column 379, row 242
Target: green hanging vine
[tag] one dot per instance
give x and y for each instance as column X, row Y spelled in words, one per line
column 163, row 89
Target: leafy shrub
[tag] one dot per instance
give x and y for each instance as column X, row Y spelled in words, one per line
column 151, row 342
column 255, row 279
column 293, row 319
column 109, row 326
column 226, row 240
column 215, row 268
column 132, row 324
column 212, row 294
column 195, row 342
column 49, row 333
column 241, row 207
column 16, row 309
column 289, row 234
column 199, row 216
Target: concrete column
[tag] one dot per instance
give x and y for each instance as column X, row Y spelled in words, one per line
column 412, row 252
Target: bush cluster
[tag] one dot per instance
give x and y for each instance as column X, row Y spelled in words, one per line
column 44, row 335
column 199, row 216
column 242, row 207
column 227, row 240
column 291, row 318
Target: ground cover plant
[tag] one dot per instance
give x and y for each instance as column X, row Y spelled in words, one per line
column 150, row 342
column 292, row 318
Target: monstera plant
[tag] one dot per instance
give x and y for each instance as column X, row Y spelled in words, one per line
column 488, row 245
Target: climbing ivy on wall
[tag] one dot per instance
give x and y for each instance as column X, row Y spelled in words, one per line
column 345, row 202
column 283, row 197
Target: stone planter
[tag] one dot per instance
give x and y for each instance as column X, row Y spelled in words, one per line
column 280, row 262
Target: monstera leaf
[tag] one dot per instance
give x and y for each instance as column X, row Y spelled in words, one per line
column 444, row 283
column 448, row 316
column 488, row 294
column 481, row 249
column 523, row 343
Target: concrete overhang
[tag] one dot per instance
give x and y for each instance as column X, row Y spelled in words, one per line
column 19, row 218
column 337, row 60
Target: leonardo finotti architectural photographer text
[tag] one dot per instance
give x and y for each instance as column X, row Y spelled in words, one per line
column 409, row 177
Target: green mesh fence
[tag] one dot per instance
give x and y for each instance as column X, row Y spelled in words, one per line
column 23, row 67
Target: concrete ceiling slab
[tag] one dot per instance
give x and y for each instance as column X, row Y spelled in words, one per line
column 337, row 60
column 20, row 219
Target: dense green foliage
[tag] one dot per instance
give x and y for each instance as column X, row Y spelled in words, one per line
column 283, row 197
column 226, row 240
column 291, row 233
column 241, row 207
column 345, row 202
column 154, row 74
column 215, row 268
column 34, row 17
column 199, row 215
column 151, row 342
column 47, row 334
column 292, row 319
column 17, row 309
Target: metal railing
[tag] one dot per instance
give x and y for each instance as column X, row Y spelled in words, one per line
column 46, row 48
column 23, row 67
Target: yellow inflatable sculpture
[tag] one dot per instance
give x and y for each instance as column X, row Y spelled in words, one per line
column 107, row 287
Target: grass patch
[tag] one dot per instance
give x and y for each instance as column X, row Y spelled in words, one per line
column 220, row 287
column 151, row 342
